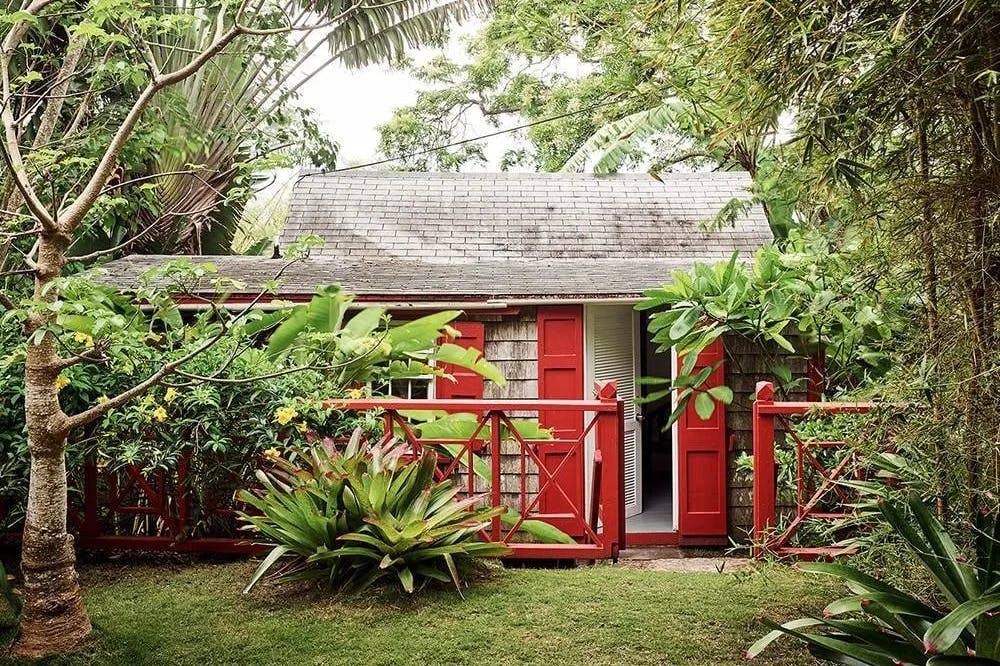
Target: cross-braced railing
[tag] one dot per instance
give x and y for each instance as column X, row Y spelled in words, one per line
column 820, row 466
column 536, row 478
column 571, row 480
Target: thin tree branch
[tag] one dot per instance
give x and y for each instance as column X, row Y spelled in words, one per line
column 162, row 174
column 212, row 379
column 19, row 234
column 83, row 357
column 12, row 152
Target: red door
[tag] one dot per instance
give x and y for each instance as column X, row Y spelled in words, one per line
column 467, row 384
column 701, row 453
column 560, row 377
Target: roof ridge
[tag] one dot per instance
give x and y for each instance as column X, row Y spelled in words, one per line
column 527, row 175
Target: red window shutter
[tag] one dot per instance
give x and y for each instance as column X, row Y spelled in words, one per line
column 467, row 385
column 560, row 364
column 701, row 452
column 560, row 377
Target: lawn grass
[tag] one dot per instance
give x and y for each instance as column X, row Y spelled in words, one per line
column 591, row 615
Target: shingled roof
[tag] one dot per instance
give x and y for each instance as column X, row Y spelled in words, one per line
column 465, row 218
column 404, row 237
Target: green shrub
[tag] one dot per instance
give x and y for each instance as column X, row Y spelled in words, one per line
column 881, row 624
column 266, row 382
column 356, row 515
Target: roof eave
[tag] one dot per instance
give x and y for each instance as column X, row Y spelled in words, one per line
column 427, row 302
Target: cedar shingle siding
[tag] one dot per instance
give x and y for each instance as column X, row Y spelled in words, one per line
column 747, row 364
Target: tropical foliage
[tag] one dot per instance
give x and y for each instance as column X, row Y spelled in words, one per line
column 580, row 63
column 188, row 172
column 360, row 347
column 353, row 515
column 82, row 86
column 803, row 299
column 233, row 398
column 879, row 624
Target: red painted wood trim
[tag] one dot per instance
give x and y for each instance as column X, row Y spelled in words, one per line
column 244, row 547
column 474, row 405
column 560, row 364
column 562, row 551
column 402, row 313
column 703, row 541
column 610, row 483
column 394, row 303
column 764, row 475
column 560, row 377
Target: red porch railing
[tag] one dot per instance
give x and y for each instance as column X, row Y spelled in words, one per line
column 524, row 471
column 818, row 496
column 130, row 509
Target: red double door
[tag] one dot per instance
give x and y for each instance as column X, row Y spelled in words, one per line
column 701, row 444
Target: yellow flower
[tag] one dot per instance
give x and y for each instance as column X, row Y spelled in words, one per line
column 83, row 339
column 301, row 426
column 148, row 401
column 62, row 382
column 355, row 393
column 272, row 453
column 284, row 415
column 101, row 399
column 160, row 414
column 170, row 394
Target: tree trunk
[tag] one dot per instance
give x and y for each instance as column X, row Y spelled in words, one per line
column 54, row 619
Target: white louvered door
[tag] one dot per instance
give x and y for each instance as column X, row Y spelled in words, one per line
column 612, row 355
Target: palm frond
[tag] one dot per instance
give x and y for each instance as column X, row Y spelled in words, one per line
column 383, row 34
column 242, row 90
column 611, row 145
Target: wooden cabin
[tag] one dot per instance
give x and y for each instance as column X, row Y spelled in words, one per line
column 547, row 269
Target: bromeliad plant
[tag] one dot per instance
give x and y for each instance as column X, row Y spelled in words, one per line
column 881, row 625
column 354, row 516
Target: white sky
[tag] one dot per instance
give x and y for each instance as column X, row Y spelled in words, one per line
column 351, row 104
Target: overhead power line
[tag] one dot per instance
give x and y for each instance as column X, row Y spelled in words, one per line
column 425, row 151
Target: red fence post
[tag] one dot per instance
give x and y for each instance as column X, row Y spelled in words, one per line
column 90, row 528
column 594, row 509
column 183, row 495
column 611, row 444
column 496, row 497
column 764, row 489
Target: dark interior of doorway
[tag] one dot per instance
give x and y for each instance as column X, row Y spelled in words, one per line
column 656, row 446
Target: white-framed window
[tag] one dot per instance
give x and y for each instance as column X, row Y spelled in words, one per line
column 413, row 388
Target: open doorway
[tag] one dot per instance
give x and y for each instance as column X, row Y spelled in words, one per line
column 618, row 348
column 657, row 451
